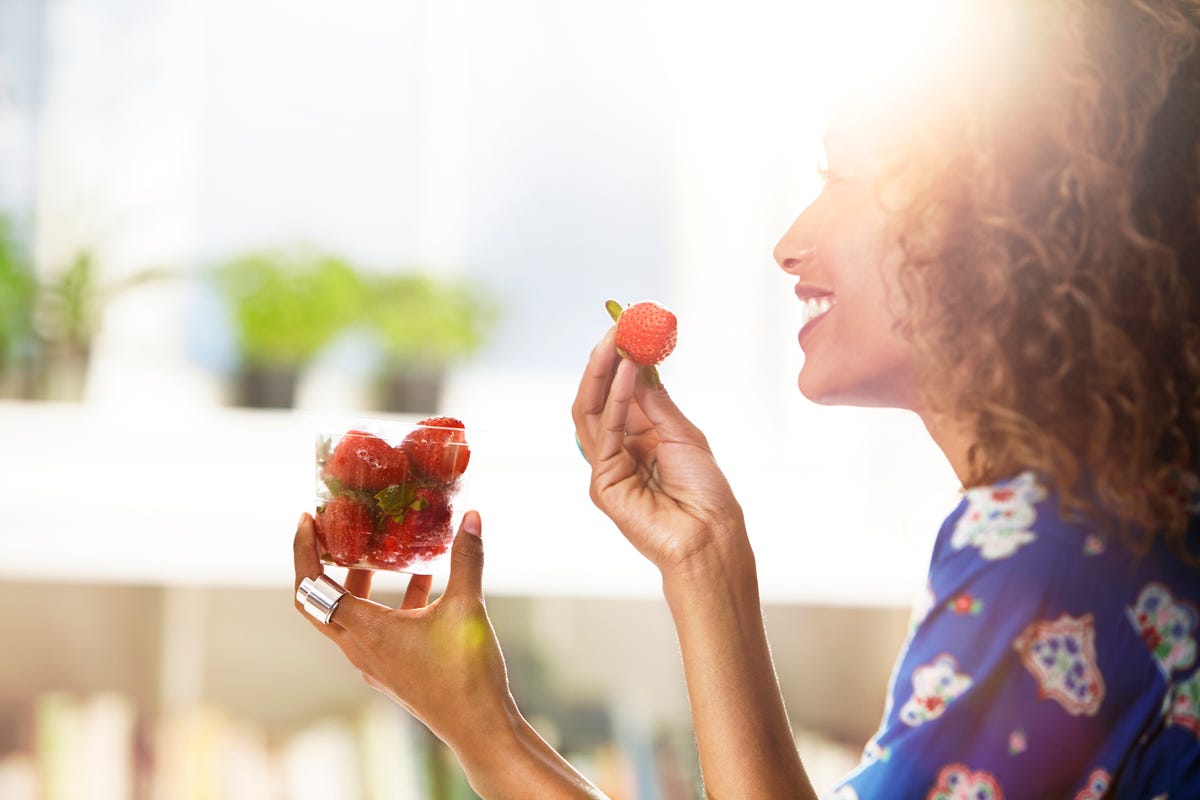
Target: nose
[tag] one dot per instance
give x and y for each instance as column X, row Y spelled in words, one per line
column 797, row 247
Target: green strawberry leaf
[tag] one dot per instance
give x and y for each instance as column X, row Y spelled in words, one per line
column 613, row 308
column 395, row 500
column 418, row 504
column 649, row 376
column 334, row 486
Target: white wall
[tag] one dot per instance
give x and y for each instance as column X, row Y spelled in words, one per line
column 561, row 152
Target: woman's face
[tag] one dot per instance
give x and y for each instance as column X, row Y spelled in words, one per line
column 846, row 282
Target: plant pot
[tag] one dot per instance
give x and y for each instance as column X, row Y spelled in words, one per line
column 411, row 391
column 266, row 387
column 18, row 379
column 63, row 373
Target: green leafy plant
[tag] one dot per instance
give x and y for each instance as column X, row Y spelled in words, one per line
column 287, row 305
column 18, row 293
column 70, row 306
column 422, row 322
column 72, row 302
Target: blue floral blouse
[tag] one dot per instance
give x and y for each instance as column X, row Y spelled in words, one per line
column 1045, row 661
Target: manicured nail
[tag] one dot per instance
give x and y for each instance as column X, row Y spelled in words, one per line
column 470, row 523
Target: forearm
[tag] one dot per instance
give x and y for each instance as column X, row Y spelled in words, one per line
column 512, row 762
column 742, row 732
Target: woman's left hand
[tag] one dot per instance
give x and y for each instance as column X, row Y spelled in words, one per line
column 441, row 661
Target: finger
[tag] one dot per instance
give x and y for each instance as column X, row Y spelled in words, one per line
column 466, row 559
column 360, row 619
column 610, row 439
column 304, row 551
column 593, row 389
column 358, row 581
column 308, row 565
column 417, row 593
column 661, row 412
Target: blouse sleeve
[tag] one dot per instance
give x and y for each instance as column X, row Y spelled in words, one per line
column 1000, row 691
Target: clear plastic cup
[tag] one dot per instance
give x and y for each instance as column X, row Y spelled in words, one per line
column 390, row 494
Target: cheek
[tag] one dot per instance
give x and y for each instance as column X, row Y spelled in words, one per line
column 866, row 265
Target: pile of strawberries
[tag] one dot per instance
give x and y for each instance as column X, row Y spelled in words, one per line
column 390, row 507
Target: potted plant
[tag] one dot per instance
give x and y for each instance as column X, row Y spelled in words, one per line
column 68, row 308
column 285, row 307
column 423, row 324
column 18, row 291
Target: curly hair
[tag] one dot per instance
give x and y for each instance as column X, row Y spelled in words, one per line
column 1051, row 258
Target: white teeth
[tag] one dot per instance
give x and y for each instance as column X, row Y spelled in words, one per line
column 814, row 307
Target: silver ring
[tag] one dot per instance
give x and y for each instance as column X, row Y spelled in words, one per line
column 320, row 597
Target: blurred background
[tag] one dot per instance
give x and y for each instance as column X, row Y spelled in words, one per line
column 221, row 220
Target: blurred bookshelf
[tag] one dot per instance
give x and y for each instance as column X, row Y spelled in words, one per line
column 135, row 691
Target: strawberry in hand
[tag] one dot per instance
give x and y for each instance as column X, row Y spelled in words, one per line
column 646, row 334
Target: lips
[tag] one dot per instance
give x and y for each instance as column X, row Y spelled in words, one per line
column 815, row 303
column 813, row 308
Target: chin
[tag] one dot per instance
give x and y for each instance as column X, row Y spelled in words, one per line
column 849, row 393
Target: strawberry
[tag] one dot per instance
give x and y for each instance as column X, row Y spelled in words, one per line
column 437, row 450
column 646, row 332
column 344, row 526
column 421, row 532
column 363, row 462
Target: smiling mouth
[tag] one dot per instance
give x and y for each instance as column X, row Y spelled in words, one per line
column 813, row 308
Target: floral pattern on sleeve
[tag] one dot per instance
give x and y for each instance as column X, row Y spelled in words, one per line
column 997, row 519
column 1097, row 785
column 1024, row 606
column 935, row 685
column 1182, row 705
column 1061, row 655
column 958, row 782
column 1166, row 627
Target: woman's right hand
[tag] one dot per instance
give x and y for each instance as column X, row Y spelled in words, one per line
column 653, row 473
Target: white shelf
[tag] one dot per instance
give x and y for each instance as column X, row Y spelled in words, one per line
column 210, row 496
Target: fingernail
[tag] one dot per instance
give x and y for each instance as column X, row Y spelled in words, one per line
column 470, row 523
column 303, row 519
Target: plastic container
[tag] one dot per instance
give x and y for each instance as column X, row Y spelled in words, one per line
column 390, row 495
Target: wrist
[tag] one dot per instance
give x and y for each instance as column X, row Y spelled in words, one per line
column 487, row 733
column 509, row 759
column 722, row 557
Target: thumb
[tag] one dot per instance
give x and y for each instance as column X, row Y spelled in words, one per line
column 466, row 559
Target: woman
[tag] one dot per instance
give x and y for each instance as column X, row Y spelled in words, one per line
column 1019, row 264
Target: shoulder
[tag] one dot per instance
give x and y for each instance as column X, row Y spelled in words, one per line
column 1054, row 579
column 996, row 521
column 1043, row 656
column 1049, row 580
column 1013, row 539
